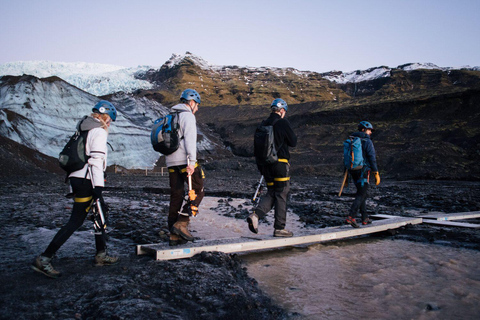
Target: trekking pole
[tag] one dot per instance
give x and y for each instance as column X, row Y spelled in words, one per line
column 192, row 209
column 345, row 177
column 259, row 188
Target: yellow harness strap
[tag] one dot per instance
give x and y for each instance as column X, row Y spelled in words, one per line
column 82, row 200
column 283, row 160
column 183, row 170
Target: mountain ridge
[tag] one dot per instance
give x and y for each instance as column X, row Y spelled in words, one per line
column 103, row 79
column 41, row 113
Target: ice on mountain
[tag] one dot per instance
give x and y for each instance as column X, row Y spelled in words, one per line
column 97, row 79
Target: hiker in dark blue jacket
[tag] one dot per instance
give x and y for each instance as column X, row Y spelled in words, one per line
column 361, row 177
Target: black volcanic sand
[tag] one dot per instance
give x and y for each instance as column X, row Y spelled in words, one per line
column 207, row 286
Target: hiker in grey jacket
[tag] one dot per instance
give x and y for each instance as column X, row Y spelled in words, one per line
column 86, row 185
column 179, row 171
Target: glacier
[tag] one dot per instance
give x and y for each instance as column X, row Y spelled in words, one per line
column 42, row 115
column 94, row 78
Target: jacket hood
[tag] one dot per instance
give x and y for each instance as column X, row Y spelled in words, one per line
column 361, row 135
column 181, row 107
column 88, row 123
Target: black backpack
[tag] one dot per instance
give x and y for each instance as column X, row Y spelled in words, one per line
column 264, row 144
column 164, row 134
column 73, row 157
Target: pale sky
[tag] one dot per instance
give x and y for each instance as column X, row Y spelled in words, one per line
column 321, row 36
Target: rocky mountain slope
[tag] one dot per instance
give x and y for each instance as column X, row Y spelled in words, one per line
column 435, row 137
column 427, row 117
column 233, row 85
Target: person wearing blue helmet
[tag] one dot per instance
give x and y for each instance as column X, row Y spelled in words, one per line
column 277, row 174
column 86, row 185
column 104, row 106
column 183, row 164
column 361, row 177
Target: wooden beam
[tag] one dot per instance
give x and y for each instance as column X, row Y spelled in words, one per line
column 383, row 216
column 451, row 223
column 164, row 252
column 452, row 216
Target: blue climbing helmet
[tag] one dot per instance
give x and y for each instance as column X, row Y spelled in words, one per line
column 279, row 103
column 104, row 106
column 365, row 125
column 190, row 94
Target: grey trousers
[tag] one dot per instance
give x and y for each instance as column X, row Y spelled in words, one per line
column 275, row 197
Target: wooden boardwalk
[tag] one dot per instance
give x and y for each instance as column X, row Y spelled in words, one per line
column 254, row 243
column 452, row 216
column 447, row 220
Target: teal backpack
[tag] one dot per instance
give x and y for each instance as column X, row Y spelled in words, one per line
column 352, row 153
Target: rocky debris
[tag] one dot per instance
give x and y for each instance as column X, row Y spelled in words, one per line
column 209, row 285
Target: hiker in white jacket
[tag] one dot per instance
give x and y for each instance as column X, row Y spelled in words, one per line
column 179, row 171
column 87, row 185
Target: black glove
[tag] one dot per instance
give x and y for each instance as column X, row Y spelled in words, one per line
column 97, row 194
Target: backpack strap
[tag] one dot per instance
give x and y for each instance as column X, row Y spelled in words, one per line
column 281, row 145
column 177, row 119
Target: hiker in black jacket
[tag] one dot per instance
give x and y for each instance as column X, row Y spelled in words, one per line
column 361, row 177
column 277, row 175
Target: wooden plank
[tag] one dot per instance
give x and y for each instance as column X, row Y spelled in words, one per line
column 452, row 216
column 383, row 216
column 164, row 252
column 451, row 223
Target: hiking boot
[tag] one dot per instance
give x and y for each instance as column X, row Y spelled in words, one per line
column 282, row 233
column 42, row 264
column 101, row 259
column 367, row 221
column 175, row 240
column 180, row 229
column 351, row 221
column 253, row 222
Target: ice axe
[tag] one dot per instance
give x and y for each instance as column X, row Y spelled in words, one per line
column 98, row 211
column 259, row 189
column 344, row 181
column 192, row 208
column 99, row 218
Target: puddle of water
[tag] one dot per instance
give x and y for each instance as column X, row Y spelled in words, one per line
column 372, row 279
column 212, row 224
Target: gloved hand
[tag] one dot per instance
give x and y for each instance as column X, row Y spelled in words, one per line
column 97, row 194
column 192, row 210
column 377, row 178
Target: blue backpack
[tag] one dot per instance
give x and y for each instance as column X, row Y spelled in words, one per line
column 164, row 134
column 352, row 153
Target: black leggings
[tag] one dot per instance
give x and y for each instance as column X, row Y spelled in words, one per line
column 83, row 191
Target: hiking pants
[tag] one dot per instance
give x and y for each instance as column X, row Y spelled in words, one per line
column 277, row 177
column 361, row 195
column 83, row 192
column 178, row 178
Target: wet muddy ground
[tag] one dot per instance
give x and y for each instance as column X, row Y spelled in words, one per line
column 208, row 286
